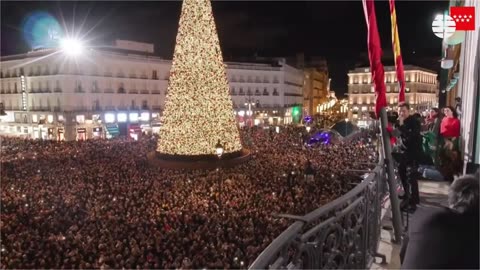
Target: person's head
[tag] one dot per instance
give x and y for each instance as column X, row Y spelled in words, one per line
column 434, row 112
column 463, row 194
column 450, row 112
column 458, row 100
column 403, row 110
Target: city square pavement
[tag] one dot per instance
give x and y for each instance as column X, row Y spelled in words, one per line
column 432, row 194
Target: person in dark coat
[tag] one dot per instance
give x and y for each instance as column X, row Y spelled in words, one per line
column 446, row 238
column 409, row 155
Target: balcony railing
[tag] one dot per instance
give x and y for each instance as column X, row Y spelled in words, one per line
column 343, row 234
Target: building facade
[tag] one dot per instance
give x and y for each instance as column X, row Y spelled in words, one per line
column 315, row 89
column 421, row 90
column 103, row 93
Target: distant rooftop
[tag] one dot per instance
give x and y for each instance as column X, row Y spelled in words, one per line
column 120, row 47
column 391, row 68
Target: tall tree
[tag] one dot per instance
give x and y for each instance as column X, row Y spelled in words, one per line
column 198, row 108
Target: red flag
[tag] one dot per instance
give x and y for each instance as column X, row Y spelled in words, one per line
column 464, row 18
column 397, row 53
column 375, row 56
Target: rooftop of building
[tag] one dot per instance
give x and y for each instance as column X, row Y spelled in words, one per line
column 392, row 68
column 145, row 51
column 104, row 50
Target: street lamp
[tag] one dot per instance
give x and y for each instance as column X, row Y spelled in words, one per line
column 219, row 149
column 346, row 124
column 71, row 46
column 308, row 128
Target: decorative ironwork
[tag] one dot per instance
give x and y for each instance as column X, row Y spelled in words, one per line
column 342, row 234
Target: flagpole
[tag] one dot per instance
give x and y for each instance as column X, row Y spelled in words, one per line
column 388, row 162
column 378, row 75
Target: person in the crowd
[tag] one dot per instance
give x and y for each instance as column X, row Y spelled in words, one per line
column 458, row 106
column 409, row 155
column 97, row 203
column 431, row 142
column 432, row 121
column 449, row 155
column 392, row 120
column 446, row 237
column 450, row 125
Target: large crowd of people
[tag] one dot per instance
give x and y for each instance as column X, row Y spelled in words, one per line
column 98, row 204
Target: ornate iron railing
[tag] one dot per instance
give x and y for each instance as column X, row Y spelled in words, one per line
column 344, row 233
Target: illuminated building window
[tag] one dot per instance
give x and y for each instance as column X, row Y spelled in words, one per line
column 109, row 118
column 122, row 117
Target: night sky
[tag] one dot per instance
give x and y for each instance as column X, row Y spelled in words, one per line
column 334, row 30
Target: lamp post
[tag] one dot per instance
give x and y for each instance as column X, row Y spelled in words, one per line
column 219, row 151
column 346, row 124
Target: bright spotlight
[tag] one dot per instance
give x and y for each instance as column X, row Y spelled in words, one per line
column 72, row 47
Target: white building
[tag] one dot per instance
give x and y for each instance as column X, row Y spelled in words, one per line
column 99, row 93
column 421, row 89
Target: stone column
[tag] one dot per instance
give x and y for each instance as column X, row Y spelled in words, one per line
column 469, row 88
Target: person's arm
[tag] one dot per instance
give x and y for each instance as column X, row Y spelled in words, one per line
column 456, row 127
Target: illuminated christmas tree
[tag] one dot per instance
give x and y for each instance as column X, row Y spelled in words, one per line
column 198, row 108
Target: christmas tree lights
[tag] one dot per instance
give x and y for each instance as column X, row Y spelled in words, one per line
column 198, row 107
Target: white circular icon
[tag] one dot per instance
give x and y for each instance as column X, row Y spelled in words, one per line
column 443, row 26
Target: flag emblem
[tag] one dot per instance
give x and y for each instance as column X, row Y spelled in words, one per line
column 464, row 18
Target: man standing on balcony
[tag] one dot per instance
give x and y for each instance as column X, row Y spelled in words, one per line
column 408, row 156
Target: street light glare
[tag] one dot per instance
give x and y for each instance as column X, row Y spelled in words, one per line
column 72, row 47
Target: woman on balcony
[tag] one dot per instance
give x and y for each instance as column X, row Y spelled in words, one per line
column 450, row 157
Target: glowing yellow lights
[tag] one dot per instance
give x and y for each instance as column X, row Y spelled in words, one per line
column 198, row 105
